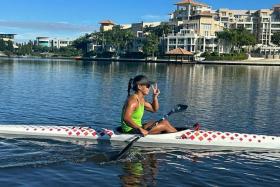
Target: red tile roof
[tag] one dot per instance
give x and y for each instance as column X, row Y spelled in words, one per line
column 205, row 13
column 109, row 22
column 179, row 51
column 186, row 2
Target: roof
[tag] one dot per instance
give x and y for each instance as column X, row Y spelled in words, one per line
column 2, row 34
column 186, row 2
column 277, row 6
column 179, row 51
column 205, row 13
column 107, row 22
column 42, row 37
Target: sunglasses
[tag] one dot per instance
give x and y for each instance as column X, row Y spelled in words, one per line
column 147, row 85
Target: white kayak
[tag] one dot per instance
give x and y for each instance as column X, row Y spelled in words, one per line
column 186, row 137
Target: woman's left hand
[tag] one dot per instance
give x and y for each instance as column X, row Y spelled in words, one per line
column 156, row 91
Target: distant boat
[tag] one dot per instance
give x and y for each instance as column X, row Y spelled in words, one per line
column 78, row 58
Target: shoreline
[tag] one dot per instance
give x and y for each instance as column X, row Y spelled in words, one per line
column 252, row 62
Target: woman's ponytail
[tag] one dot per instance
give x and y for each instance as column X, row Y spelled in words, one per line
column 129, row 87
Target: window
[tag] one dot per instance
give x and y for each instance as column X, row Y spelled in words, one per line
column 224, row 19
column 172, row 41
column 265, row 19
column 181, row 41
column 206, row 26
column 275, row 25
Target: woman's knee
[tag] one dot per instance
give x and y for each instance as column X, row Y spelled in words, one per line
column 166, row 122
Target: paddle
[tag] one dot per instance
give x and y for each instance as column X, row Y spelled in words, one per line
column 178, row 108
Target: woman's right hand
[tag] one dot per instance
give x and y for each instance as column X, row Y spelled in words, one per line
column 144, row 132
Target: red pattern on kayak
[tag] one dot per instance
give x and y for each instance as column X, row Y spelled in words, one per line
column 212, row 136
column 72, row 131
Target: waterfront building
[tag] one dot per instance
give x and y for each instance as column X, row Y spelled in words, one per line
column 106, row 25
column 186, row 39
column 54, row 43
column 125, row 26
column 234, row 19
column 186, row 9
column 9, row 37
column 138, row 29
column 195, row 26
column 58, row 43
column 43, row 41
column 267, row 22
column 94, row 46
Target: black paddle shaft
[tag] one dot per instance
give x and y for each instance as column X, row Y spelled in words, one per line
column 178, row 108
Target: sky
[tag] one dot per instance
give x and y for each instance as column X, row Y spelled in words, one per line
column 73, row 18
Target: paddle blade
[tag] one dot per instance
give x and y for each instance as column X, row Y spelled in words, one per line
column 180, row 108
column 122, row 154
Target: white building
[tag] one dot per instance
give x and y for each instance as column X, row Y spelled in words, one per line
column 197, row 22
column 43, row 41
column 48, row 42
column 58, row 43
column 9, row 37
column 138, row 30
column 185, row 39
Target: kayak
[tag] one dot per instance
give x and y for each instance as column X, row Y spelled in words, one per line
column 184, row 137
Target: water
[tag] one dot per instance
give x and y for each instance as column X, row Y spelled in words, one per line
column 225, row 98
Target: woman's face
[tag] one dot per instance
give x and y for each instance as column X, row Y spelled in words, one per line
column 144, row 88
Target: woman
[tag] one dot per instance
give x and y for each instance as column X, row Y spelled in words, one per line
column 135, row 105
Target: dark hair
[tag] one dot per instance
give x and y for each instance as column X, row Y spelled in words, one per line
column 129, row 87
column 134, row 82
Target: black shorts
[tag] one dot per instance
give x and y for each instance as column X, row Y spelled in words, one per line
column 134, row 131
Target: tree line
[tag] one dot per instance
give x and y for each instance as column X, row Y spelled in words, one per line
column 119, row 42
column 32, row 49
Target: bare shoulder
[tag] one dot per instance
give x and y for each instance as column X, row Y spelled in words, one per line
column 132, row 101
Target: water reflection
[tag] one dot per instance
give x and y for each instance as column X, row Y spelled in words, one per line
column 224, row 98
column 140, row 173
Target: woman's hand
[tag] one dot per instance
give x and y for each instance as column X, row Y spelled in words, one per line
column 156, row 91
column 144, row 132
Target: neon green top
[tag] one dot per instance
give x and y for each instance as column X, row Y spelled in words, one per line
column 136, row 117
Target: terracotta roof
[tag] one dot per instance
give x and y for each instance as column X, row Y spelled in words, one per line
column 206, row 13
column 179, row 51
column 186, row 2
column 107, row 22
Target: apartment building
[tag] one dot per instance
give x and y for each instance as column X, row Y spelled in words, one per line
column 234, row 19
column 267, row 22
column 9, row 37
column 198, row 28
column 48, row 42
column 58, row 43
column 185, row 9
column 199, row 18
column 138, row 29
column 106, row 25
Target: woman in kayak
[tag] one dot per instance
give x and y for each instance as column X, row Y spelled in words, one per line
column 135, row 105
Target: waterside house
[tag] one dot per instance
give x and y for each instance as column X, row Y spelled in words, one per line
column 195, row 26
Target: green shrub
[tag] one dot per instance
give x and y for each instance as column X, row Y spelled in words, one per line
column 226, row 57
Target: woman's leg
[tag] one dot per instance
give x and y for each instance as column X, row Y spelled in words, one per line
column 163, row 126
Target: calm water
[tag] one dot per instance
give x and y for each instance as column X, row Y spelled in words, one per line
column 225, row 98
